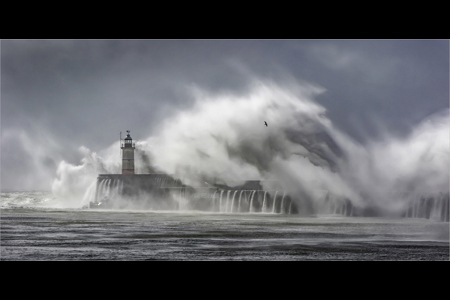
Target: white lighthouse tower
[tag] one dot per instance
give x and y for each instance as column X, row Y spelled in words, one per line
column 128, row 155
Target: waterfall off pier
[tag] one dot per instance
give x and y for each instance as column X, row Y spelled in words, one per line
column 163, row 192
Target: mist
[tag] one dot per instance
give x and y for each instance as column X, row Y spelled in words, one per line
column 393, row 171
column 222, row 139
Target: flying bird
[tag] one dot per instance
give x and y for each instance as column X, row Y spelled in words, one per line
column 265, row 123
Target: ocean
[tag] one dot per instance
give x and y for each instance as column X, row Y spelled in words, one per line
column 36, row 227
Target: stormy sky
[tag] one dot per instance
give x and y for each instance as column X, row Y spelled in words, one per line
column 58, row 95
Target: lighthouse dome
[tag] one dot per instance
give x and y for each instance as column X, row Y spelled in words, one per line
column 128, row 135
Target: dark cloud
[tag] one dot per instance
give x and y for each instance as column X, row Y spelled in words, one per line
column 67, row 93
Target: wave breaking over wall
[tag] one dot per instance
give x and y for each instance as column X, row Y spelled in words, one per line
column 223, row 139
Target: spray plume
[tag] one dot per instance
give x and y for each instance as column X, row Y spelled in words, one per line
column 223, row 138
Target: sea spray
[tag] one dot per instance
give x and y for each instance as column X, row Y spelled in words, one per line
column 223, row 137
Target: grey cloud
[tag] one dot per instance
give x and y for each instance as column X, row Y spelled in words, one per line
column 83, row 92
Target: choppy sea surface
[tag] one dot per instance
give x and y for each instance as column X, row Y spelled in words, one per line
column 34, row 227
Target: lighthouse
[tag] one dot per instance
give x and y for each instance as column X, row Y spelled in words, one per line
column 128, row 155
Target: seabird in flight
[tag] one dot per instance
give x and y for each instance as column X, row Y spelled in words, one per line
column 265, row 123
